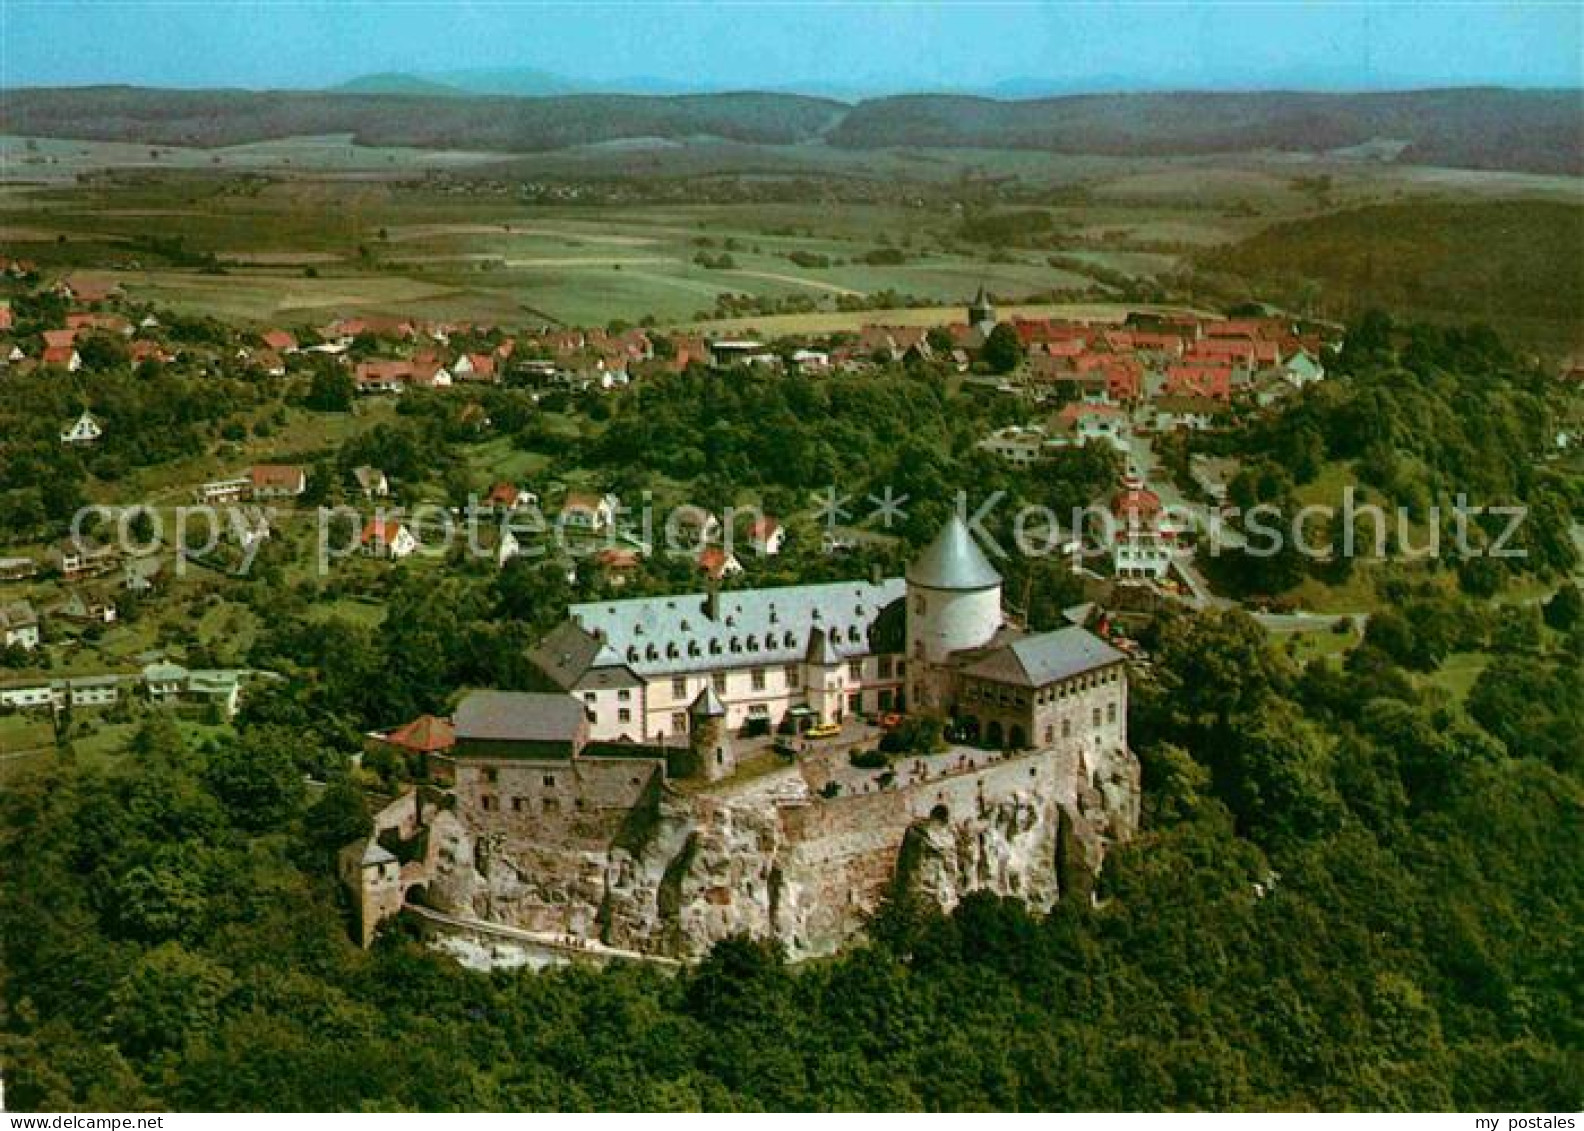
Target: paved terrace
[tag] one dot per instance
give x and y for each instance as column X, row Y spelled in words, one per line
column 763, row 772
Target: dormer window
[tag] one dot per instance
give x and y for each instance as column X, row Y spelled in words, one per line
column 715, row 647
column 736, row 645
column 693, row 648
column 788, row 640
column 632, row 654
column 672, row 651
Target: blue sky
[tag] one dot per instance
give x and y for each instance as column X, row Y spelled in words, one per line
column 1299, row 44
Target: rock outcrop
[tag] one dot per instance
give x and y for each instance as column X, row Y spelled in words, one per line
column 774, row 858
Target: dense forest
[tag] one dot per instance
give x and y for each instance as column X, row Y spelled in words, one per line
column 1512, row 264
column 1529, row 130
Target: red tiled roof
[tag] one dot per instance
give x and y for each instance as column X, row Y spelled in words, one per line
column 426, row 734
column 282, row 475
column 1213, row 381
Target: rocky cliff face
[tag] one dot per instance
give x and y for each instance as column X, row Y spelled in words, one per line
column 776, row 860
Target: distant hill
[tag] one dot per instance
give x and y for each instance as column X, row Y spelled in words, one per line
column 509, row 125
column 393, row 82
column 1529, row 131
column 518, row 82
column 1532, row 131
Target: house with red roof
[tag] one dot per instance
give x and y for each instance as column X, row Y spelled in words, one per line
column 281, row 341
column 475, row 367
column 85, row 288
column 1140, row 535
column 766, row 535
column 64, row 357
column 1200, row 380
column 718, row 563
column 386, row 538
column 103, row 323
column 276, row 481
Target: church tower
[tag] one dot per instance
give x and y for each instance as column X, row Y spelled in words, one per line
column 953, row 603
column 981, row 312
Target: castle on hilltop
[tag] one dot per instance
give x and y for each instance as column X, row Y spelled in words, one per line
column 644, row 802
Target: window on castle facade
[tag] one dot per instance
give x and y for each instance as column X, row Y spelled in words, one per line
column 757, row 678
column 855, row 669
column 794, row 678
column 1110, row 712
column 624, row 715
column 679, row 688
column 719, row 680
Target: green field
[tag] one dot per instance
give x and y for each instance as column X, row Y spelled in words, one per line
column 303, row 230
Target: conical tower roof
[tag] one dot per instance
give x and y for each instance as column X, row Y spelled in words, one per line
column 953, row 561
column 706, row 704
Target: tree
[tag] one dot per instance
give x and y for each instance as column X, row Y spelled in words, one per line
column 1003, row 350
column 1565, row 609
column 331, row 389
column 256, row 777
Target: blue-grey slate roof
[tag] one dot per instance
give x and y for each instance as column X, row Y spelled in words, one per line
column 953, row 561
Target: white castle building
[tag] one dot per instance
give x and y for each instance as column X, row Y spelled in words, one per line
column 937, row 640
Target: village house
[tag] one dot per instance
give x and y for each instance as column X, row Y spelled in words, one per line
column 85, row 431
column 371, row 482
column 718, row 563
column 277, row 481
column 382, row 538
column 102, row 323
column 475, row 367
column 88, row 290
column 1021, row 445
column 588, row 513
column 616, row 565
column 1088, row 422
column 505, row 497
column 1141, row 536
column 80, row 557
column 17, row 569
column 690, row 525
column 281, row 341
column 1188, row 414
column 218, row 492
column 19, row 626
column 63, row 357
column 766, row 536
column 87, row 608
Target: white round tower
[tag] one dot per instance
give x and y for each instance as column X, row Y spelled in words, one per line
column 953, row 597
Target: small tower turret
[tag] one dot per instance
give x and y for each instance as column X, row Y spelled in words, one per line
column 709, row 740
